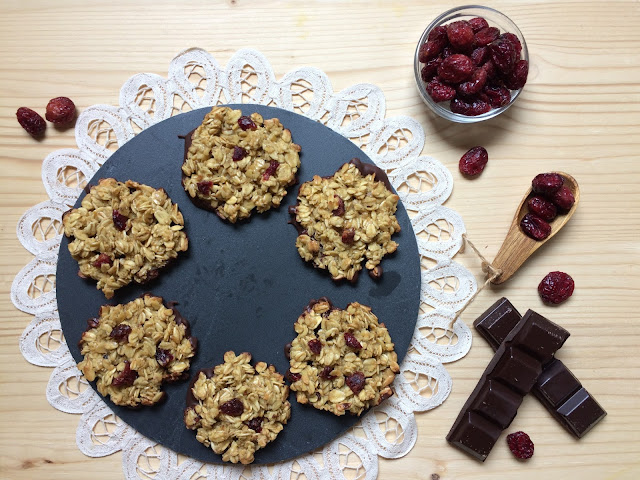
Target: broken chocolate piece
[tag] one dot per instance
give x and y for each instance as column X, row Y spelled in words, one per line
column 557, row 388
column 510, row 375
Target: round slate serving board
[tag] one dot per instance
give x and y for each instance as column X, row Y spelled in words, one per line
column 242, row 287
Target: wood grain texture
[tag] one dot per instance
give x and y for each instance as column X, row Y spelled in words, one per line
column 579, row 113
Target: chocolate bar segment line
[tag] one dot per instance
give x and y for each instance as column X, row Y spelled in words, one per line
column 511, row 374
column 559, row 391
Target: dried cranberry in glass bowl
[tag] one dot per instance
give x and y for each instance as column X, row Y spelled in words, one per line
column 471, row 64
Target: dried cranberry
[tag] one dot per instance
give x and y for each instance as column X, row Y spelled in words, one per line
column 542, row 207
column 535, row 227
column 490, row 68
column 518, row 76
column 486, row 36
column 255, row 424
column 547, row 183
column 439, row 91
column 60, row 110
column 355, row 382
column 93, row 322
column 293, row 377
column 460, row 35
column 120, row 332
column 352, row 341
column 430, row 69
column 498, row 96
column 233, row 407
column 520, row 445
column 475, row 84
column 348, row 235
column 473, row 162
column 447, row 52
column 556, row 287
column 478, row 24
column 126, row 377
column 563, row 199
column 456, row 68
column 163, row 357
column 479, row 56
column 430, row 50
column 245, row 123
column 438, row 33
column 503, row 54
column 238, row 153
column 326, row 373
column 315, row 346
column 31, row 121
column 103, row 259
column 205, row 187
column 271, row 169
column 513, row 38
column 339, row 211
column 119, row 220
column 471, row 108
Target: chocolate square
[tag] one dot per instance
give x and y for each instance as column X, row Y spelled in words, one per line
column 497, row 322
column 556, row 383
column 540, row 336
column 497, row 402
column 581, row 412
column 475, row 435
column 517, row 369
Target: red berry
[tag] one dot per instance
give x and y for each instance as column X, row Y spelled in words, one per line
column 520, row 445
column 430, row 50
column 120, row 332
column 563, row 199
column 93, row 322
column 542, row 207
column 60, row 110
column 315, row 346
column 271, row 169
column 205, row 187
column 348, row 235
column 233, row 407
column 498, row 96
column 486, row 36
column 455, row 68
column 556, row 287
column 119, row 220
column 102, row 259
column 518, row 76
column 31, row 121
column 356, row 382
column 474, row 84
column 126, row 377
column 326, row 373
column 339, row 211
column 460, row 35
column 351, row 341
column 439, row 91
column 547, row 183
column 535, row 227
column 513, row 38
column 245, row 123
column 479, row 56
column 471, row 108
column 473, row 162
column 163, row 357
column 438, row 33
column 238, row 153
column 478, row 24
column 255, row 424
column 430, row 69
column 293, row 377
column 503, row 54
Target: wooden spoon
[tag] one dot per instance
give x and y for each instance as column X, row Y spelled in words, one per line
column 517, row 246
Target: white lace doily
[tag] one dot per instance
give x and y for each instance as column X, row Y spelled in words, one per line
column 358, row 112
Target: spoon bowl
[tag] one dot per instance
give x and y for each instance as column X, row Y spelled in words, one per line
column 518, row 246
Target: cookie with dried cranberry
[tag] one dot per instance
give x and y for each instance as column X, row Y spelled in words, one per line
column 342, row 360
column 124, row 232
column 346, row 219
column 237, row 408
column 235, row 164
column 131, row 349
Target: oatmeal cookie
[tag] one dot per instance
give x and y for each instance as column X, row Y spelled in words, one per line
column 131, row 349
column 341, row 360
column 237, row 408
column 235, row 163
column 124, row 232
column 345, row 219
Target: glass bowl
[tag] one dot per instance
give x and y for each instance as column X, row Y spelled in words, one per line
column 495, row 19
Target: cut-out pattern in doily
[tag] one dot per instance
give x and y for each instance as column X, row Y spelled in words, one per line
column 196, row 80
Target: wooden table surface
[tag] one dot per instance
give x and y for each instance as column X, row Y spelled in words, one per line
column 579, row 113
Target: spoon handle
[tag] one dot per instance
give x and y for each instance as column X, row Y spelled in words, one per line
column 514, row 251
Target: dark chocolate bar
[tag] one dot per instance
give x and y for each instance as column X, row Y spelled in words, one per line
column 557, row 388
column 513, row 371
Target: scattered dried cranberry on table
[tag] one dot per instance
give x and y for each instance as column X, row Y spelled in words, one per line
column 520, row 445
column 556, row 287
column 31, row 121
column 60, row 110
column 472, row 65
column 473, row 162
